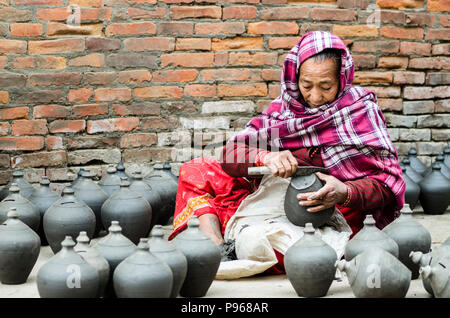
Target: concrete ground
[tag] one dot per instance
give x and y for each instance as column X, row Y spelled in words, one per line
column 274, row 286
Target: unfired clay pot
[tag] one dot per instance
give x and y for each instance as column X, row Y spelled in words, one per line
column 143, row 275
column 439, row 277
column 309, row 264
column 19, row 179
column 110, row 183
column 19, row 249
column 416, row 163
column 413, row 174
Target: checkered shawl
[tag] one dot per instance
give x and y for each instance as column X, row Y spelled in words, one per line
column 350, row 131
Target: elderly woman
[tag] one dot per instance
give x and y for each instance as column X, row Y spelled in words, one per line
column 320, row 119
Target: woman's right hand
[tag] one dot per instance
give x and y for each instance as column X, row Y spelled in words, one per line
column 281, row 163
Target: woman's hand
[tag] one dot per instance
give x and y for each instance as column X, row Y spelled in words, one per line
column 282, row 163
column 333, row 192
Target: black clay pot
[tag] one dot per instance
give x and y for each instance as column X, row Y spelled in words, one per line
column 67, row 217
column 18, row 178
column 19, row 249
column 43, row 198
column 444, row 169
column 369, row 236
column 413, row 174
column 410, row 236
column 28, row 212
column 435, row 192
column 297, row 214
column 143, row 275
column 67, row 275
column 110, row 183
column 79, row 177
column 412, row 190
column 132, row 211
column 416, row 163
column 149, row 194
column 163, row 181
column 309, row 264
column 120, row 171
column 169, row 254
column 93, row 195
column 203, row 258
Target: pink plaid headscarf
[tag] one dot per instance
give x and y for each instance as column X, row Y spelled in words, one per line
column 350, row 131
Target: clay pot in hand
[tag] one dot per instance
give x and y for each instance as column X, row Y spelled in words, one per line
column 19, row 249
column 143, row 275
column 67, row 275
column 169, row 254
column 67, row 217
column 28, row 212
column 43, row 198
column 163, row 181
column 18, row 178
column 203, row 257
column 439, row 277
column 413, row 174
column 412, row 190
column 444, row 169
column 93, row 195
column 376, row 273
column 410, row 236
column 297, row 214
column 152, row 197
column 369, row 236
column 416, row 163
column 435, row 192
column 132, row 211
column 93, row 257
column 110, row 183
column 310, row 264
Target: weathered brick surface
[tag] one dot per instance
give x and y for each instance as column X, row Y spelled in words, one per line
column 122, row 81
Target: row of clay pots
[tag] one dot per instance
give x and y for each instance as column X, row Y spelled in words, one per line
column 115, row 266
column 311, row 264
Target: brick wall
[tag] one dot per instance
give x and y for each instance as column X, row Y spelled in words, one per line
column 133, row 80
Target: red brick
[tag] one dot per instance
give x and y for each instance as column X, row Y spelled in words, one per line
column 272, row 28
column 112, row 125
column 39, row 159
column 143, row 1
column 21, row 143
column 409, row 77
column 274, row 90
column 401, row 33
column 137, row 13
column 368, row 31
column 415, row 48
column 183, row 12
column 149, row 44
column 13, row 47
column 58, row 29
column 220, row 27
column 175, row 76
column 156, row 123
column 3, row 61
column 252, row 58
column 147, row 155
column 349, row 4
column 137, row 108
column 47, row 96
column 395, row 17
column 438, row 5
column 50, row 111
column 438, row 34
column 392, row 62
column 89, row 110
column 42, row 62
column 385, row 91
column 87, row 3
column 371, row 77
column 99, row 78
column 92, row 60
column 130, row 28
column 226, row 74
column 13, row 113
column 187, row 60
column 138, row 140
column 420, row 19
column 283, row 42
column 441, row 49
column 242, row 90
column 200, row 90
column 220, row 59
column 4, row 161
column 12, row 80
column 4, row 97
column 56, row 46
column 436, row 63
column 112, row 94
column 67, row 126
column 364, row 61
column 238, row 43
column 26, row 29
column 86, row 14
column 158, row 92
column 324, row 14
column 58, row 79
column 390, row 104
column 187, row 44
column 134, row 77
column 29, row 127
column 444, row 20
column 176, row 28
column 4, row 128
column 39, row 2
column 54, row 143
column 102, row 44
column 239, row 12
column 271, row 75
column 400, row 4
column 389, row 46
column 79, row 95
column 287, row 13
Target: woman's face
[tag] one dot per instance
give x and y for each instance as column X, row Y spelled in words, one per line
column 318, row 81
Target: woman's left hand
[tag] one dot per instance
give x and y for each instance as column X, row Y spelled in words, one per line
column 333, row 192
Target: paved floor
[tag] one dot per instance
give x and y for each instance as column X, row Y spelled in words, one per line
column 274, row 286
